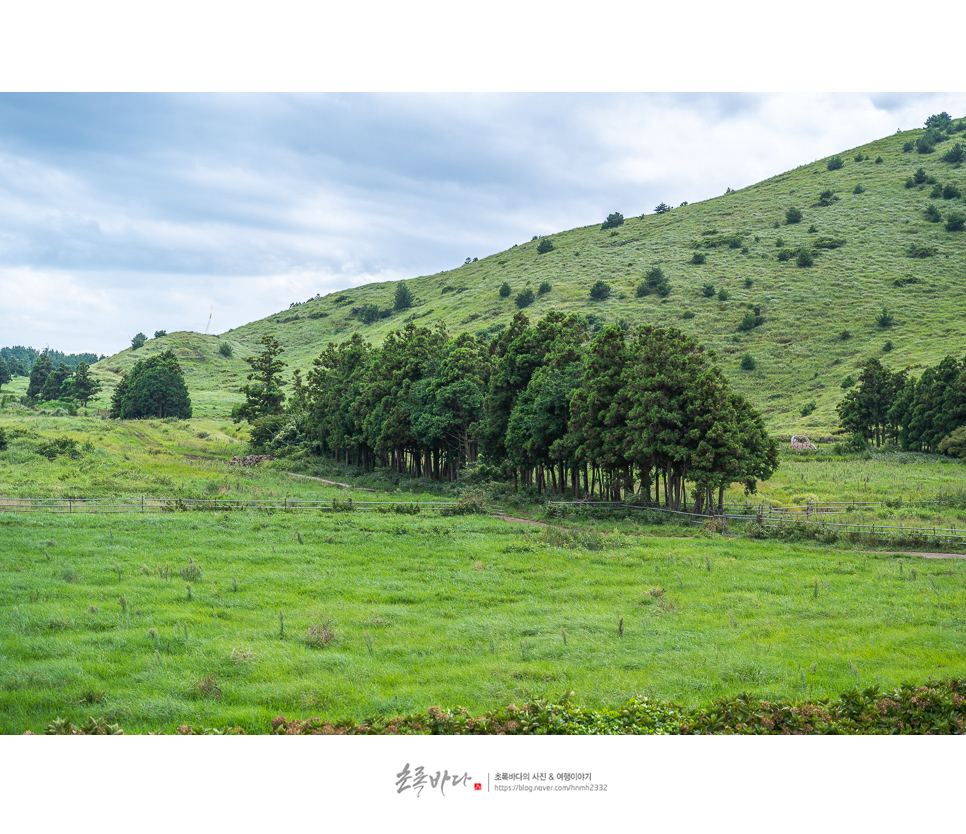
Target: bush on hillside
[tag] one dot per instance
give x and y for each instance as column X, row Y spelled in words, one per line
column 505, row 290
column 600, row 291
column 525, row 298
column 613, row 221
column 835, row 163
column 544, row 246
column 138, row 341
column 226, row 350
column 544, row 288
column 955, row 221
column 793, row 215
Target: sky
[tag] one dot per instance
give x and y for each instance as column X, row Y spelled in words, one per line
column 132, row 212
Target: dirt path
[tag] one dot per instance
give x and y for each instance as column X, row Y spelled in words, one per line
column 924, row 554
column 332, row 483
column 522, row 520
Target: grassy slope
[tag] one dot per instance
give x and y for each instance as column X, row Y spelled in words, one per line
column 799, row 353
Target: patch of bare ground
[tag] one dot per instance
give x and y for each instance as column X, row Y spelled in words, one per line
column 332, row 483
column 924, row 554
column 523, row 520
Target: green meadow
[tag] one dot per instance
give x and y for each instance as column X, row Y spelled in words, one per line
column 233, row 618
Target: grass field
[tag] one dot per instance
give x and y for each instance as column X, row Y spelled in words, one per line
column 233, row 618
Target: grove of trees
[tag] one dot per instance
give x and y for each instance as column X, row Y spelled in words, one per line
column 542, row 404
column 155, row 387
column 917, row 413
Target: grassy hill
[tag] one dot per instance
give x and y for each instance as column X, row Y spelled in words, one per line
column 820, row 321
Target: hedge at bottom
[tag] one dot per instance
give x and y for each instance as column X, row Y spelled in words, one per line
column 932, row 708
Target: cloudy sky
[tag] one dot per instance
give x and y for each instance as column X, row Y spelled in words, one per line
column 132, row 212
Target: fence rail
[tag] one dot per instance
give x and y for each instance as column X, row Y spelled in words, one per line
column 150, row 505
column 776, row 517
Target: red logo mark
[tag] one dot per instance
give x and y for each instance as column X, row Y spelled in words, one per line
column 477, row 786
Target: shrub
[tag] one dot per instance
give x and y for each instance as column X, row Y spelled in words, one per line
column 848, row 382
column 932, row 213
column 835, row 163
column 613, row 221
column 804, row 258
column 879, row 160
column 544, row 246
column 955, row 221
column 845, row 335
column 505, row 290
column 951, row 192
column 885, row 318
column 887, row 347
column 859, row 189
column 368, row 314
column 936, row 193
column 3, row 440
column 687, row 314
column 138, row 341
column 827, row 197
column 954, row 444
column 808, row 408
column 225, row 350
column 698, row 258
column 708, row 290
column 600, row 291
column 920, row 176
column 793, row 215
column 926, row 143
column 525, row 298
column 544, row 288
column 919, row 250
column 907, row 147
column 403, row 299
column 723, row 294
column 661, row 208
column 748, row 362
column 955, row 154
column 159, row 333
column 751, row 320
column 785, row 255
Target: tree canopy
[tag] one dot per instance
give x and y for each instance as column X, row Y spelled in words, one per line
column 155, row 387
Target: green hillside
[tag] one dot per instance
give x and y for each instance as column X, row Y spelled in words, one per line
column 872, row 248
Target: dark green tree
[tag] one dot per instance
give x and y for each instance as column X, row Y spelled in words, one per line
column 5, row 375
column 263, row 393
column 54, row 385
column 138, row 341
column 155, row 387
column 600, row 290
column 82, row 385
column 403, row 298
column 43, row 367
column 544, row 246
column 613, row 221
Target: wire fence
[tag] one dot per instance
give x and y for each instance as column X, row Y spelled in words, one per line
column 774, row 518
column 154, row 505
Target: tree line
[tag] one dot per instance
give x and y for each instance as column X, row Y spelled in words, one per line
column 547, row 405
column 918, row 413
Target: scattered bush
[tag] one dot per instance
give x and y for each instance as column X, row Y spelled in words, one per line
column 600, row 291
column 613, row 220
column 748, row 362
column 920, row 176
column 885, row 318
column 848, row 382
column 804, row 258
column 687, row 315
column 785, row 255
column 708, row 290
column 723, row 294
column 505, row 290
column 661, row 208
column 887, row 347
column 226, row 350
column 793, row 215
column 955, row 221
column 835, row 163
column 159, row 333
column 525, row 298
column 403, row 299
column 544, row 246
column 827, row 197
column 919, row 250
column 698, row 258
column 751, row 320
column 138, row 341
column 933, row 214
column 544, row 288
column 879, row 160
column 808, row 408
column 951, row 192
column 955, row 154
